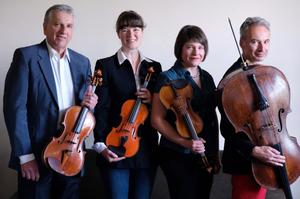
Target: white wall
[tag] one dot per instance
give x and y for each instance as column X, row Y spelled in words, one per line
column 21, row 24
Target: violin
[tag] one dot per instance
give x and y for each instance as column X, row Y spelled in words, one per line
column 65, row 154
column 176, row 95
column 124, row 140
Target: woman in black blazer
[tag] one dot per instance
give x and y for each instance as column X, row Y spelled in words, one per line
column 123, row 76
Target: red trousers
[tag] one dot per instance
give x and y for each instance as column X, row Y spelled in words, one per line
column 245, row 187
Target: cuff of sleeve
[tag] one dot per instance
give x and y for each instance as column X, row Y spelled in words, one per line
column 26, row 158
column 99, row 147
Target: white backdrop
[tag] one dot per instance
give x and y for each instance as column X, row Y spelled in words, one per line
column 21, row 25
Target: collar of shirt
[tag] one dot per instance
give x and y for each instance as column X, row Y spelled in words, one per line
column 183, row 73
column 122, row 57
column 53, row 54
column 180, row 70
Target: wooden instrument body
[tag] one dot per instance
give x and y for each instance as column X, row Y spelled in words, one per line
column 167, row 98
column 124, row 140
column 263, row 127
column 178, row 95
column 125, row 135
column 65, row 154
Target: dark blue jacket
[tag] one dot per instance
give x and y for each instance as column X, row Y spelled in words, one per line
column 30, row 103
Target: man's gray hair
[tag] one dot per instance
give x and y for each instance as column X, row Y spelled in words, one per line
column 57, row 7
column 253, row 21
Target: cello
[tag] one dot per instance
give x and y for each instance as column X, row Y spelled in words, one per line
column 178, row 93
column 256, row 100
column 65, row 154
column 124, row 140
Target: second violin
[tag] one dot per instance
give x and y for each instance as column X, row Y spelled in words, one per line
column 123, row 140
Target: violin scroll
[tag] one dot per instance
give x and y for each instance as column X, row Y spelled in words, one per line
column 96, row 79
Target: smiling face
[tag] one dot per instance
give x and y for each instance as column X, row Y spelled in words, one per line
column 130, row 37
column 255, row 44
column 59, row 30
column 192, row 54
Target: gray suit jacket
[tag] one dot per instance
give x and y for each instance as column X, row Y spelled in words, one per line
column 30, row 103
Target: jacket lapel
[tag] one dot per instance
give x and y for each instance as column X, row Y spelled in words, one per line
column 75, row 75
column 46, row 69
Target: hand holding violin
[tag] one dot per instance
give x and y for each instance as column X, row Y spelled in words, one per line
column 145, row 95
column 197, row 146
column 90, row 99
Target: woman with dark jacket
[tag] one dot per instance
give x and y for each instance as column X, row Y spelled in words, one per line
column 180, row 157
column 123, row 78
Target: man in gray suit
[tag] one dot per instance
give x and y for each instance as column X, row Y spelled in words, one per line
column 42, row 82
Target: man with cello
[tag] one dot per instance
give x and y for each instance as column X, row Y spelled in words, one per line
column 239, row 151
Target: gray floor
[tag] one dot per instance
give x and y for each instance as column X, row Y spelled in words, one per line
column 220, row 190
column 93, row 188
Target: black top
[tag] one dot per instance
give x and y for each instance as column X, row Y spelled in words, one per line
column 236, row 157
column 119, row 86
column 203, row 103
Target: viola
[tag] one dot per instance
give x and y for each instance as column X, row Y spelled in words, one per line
column 124, row 140
column 65, row 154
column 256, row 101
column 178, row 93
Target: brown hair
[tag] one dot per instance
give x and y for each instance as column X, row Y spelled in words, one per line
column 129, row 19
column 190, row 33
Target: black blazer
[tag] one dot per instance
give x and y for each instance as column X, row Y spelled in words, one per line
column 119, row 86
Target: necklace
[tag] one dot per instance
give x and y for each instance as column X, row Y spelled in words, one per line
column 195, row 76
